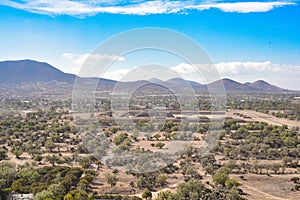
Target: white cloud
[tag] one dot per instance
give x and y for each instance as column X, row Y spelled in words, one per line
column 87, row 64
column 239, row 71
column 225, row 68
column 196, row 72
column 210, row 72
column 184, row 69
column 140, row 73
column 243, row 7
column 250, row 67
column 79, row 60
column 68, row 56
column 138, row 7
column 187, row 69
column 243, row 71
column 117, row 74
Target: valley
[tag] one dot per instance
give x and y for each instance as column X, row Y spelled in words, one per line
column 156, row 147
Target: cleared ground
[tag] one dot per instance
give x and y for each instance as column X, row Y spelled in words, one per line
column 263, row 187
column 261, row 117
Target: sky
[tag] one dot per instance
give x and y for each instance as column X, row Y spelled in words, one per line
column 246, row 40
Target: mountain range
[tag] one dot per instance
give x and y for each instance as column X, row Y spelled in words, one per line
column 29, row 71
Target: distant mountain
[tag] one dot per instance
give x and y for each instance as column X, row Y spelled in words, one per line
column 155, row 80
column 177, row 80
column 31, row 71
column 265, row 86
column 232, row 86
column 183, row 81
column 259, row 86
column 182, row 84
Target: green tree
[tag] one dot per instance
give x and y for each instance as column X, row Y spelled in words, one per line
column 2, row 154
column 120, row 138
column 52, row 159
column 191, row 190
column 234, row 194
column 43, row 195
column 76, row 195
column 38, row 157
column 166, row 195
column 160, row 145
column 221, row 176
column 190, row 172
column 83, row 184
column 114, row 129
column 17, row 151
column 49, row 144
column 81, row 195
column 57, row 190
column 147, row 194
column 111, row 179
column 275, row 167
column 7, row 174
column 231, row 182
column 68, row 197
column 161, row 180
column 156, row 136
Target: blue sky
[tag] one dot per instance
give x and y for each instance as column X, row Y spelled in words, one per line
column 246, row 40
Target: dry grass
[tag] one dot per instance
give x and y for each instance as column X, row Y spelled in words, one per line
column 263, row 187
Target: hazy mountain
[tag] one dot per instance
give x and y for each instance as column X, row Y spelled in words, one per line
column 29, row 71
column 183, row 81
column 183, row 84
column 265, row 86
column 155, row 80
column 232, row 86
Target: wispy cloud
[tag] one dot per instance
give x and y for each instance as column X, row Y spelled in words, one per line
column 238, row 67
column 136, row 7
column 248, row 67
column 78, row 60
column 245, row 71
column 243, row 7
column 117, row 74
column 191, row 72
column 238, row 70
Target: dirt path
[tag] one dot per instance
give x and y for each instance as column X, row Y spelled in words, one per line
column 270, row 119
column 264, row 194
column 155, row 194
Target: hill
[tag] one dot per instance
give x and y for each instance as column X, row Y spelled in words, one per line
column 263, row 85
column 30, row 71
column 12, row 72
column 232, row 86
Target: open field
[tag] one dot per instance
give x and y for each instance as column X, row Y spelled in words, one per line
column 252, row 145
column 275, row 187
column 262, row 117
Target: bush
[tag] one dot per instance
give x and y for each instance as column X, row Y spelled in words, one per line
column 221, row 176
column 147, row 194
column 230, row 183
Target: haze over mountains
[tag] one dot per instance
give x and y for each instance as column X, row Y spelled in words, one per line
column 29, row 71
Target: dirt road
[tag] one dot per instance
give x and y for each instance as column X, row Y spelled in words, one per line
column 257, row 116
column 258, row 194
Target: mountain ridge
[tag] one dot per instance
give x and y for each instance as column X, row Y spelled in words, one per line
column 265, row 85
column 31, row 71
column 25, row 71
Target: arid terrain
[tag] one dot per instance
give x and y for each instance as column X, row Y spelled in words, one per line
column 268, row 169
